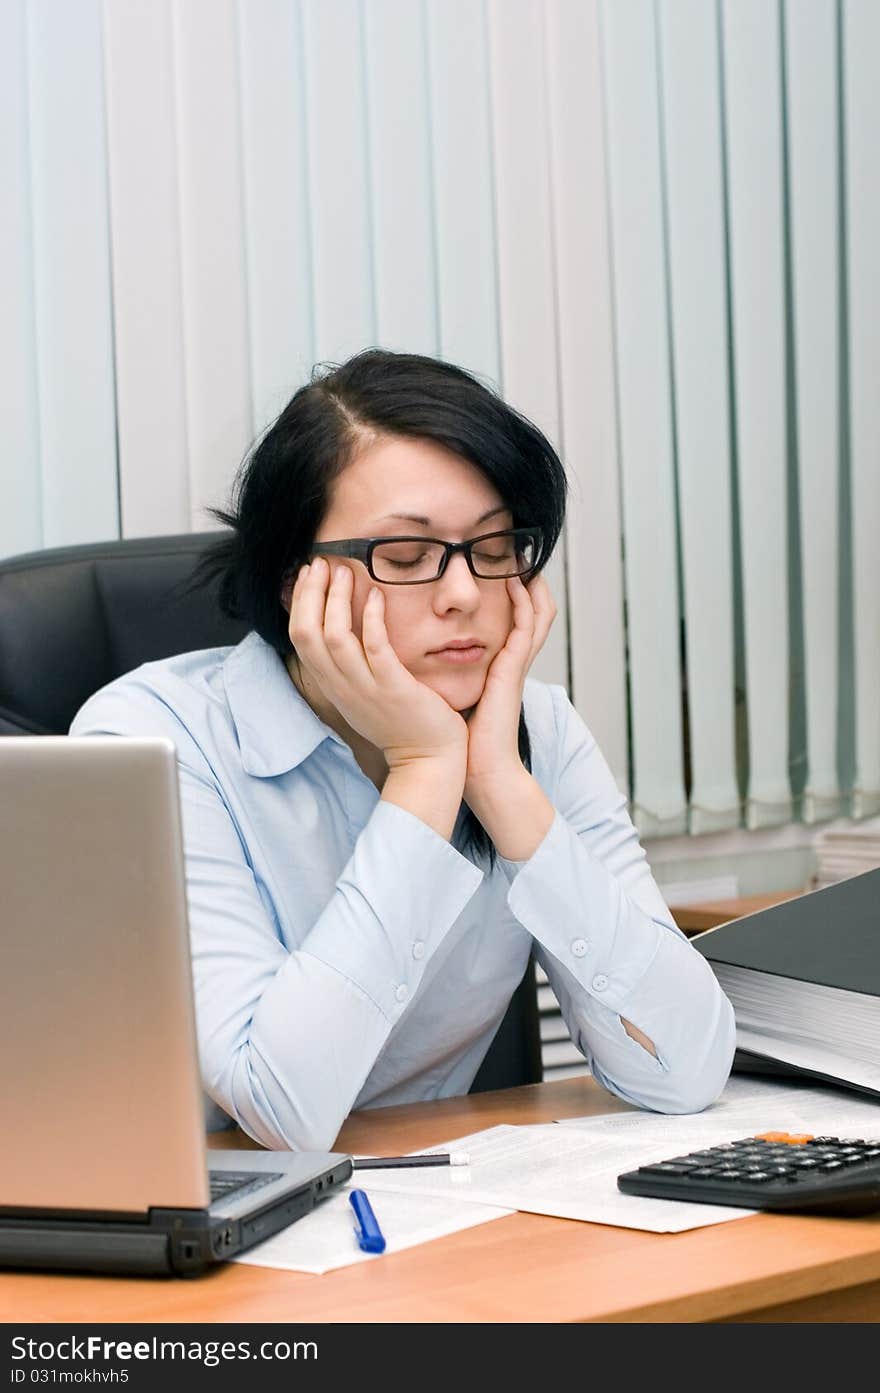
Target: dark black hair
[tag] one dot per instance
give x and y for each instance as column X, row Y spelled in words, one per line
column 281, row 492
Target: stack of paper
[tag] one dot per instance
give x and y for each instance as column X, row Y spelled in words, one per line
column 846, row 849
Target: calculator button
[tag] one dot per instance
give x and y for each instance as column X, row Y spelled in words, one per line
column 790, row 1139
column 704, row 1173
column 758, row 1176
column 666, row 1168
column 831, row 1166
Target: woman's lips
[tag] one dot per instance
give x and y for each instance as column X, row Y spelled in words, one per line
column 460, row 655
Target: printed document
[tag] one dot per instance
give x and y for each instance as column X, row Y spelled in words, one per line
column 570, row 1168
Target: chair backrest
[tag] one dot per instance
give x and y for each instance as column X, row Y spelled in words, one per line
column 514, row 1056
column 74, row 618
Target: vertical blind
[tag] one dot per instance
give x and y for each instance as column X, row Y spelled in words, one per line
column 652, row 225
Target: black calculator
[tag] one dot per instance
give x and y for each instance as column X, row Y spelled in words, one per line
column 776, row 1170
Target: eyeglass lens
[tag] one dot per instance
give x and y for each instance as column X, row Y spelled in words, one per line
column 496, row 557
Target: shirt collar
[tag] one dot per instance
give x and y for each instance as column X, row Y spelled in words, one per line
column 276, row 727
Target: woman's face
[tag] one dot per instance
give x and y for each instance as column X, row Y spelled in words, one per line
column 443, row 496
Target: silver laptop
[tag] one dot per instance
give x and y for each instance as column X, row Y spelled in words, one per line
column 103, row 1165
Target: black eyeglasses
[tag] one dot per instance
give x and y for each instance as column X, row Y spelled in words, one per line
column 418, row 560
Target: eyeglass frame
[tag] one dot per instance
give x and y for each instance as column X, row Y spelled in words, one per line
column 362, row 548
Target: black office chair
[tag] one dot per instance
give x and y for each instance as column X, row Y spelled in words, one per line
column 74, row 618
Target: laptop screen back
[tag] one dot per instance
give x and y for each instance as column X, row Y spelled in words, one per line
column 101, row 1091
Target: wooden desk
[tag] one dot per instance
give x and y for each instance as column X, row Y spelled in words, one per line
column 523, row 1268
column 707, row 914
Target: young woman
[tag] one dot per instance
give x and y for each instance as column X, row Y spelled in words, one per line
column 383, row 814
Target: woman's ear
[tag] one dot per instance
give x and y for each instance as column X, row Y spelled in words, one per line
column 286, row 592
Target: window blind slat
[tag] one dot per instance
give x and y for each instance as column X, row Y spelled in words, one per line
column 586, row 375
column 339, row 186
column 20, row 517
column 691, row 107
column 811, row 111
column 211, row 191
column 74, row 336
column 753, row 112
column 400, row 174
column 645, row 417
column 523, row 230
column 464, row 230
column 277, row 240
column 147, row 309
column 861, row 41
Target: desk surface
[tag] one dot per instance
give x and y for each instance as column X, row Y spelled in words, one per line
column 524, row 1268
column 707, row 914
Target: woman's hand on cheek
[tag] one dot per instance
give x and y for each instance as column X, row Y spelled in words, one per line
column 493, row 726
column 363, row 678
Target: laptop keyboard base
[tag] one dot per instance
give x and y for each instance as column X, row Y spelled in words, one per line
column 239, row 1183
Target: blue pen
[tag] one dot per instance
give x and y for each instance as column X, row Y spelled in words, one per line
column 369, row 1235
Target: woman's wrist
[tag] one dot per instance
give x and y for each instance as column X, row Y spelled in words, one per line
column 429, row 787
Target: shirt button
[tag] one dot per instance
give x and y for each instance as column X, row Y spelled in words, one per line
column 418, row 950
column 402, row 993
column 600, row 982
column 580, row 947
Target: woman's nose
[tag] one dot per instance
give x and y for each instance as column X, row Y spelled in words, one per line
column 458, row 581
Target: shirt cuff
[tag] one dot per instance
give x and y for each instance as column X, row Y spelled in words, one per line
column 399, row 895
column 574, row 907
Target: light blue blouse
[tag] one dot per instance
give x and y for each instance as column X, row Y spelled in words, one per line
column 345, row 955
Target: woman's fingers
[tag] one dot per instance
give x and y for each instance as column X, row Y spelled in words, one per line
column 384, row 662
column 520, row 637
column 545, row 612
column 320, row 627
column 534, row 610
column 339, row 636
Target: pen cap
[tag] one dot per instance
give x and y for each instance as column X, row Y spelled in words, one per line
column 369, row 1234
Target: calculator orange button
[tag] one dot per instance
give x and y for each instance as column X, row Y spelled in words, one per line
column 790, row 1138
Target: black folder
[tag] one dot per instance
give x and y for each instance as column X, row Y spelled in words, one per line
column 829, row 938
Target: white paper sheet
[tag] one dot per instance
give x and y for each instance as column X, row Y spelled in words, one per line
column 547, row 1169
column 570, row 1168
column 747, row 1106
column 325, row 1239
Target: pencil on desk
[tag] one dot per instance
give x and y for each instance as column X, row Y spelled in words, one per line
column 432, row 1158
